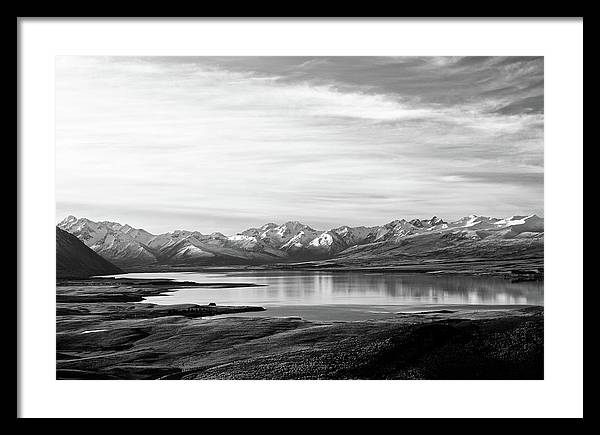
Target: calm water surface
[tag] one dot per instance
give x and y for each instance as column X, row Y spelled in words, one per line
column 281, row 289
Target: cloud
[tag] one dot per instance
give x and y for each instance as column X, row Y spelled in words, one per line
column 348, row 140
column 535, row 179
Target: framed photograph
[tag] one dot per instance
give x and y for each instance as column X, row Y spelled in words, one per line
column 328, row 218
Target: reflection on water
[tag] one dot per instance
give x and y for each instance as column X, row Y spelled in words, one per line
column 347, row 288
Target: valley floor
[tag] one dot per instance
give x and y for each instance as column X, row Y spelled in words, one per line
column 103, row 332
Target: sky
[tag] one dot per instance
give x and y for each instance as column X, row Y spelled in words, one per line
column 228, row 143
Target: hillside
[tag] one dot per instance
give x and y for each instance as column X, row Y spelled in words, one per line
column 75, row 260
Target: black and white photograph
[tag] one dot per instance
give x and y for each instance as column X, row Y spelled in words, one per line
column 300, row 217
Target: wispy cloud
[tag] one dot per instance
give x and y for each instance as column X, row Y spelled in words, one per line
column 325, row 140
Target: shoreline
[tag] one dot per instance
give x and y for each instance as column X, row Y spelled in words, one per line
column 526, row 269
column 367, row 312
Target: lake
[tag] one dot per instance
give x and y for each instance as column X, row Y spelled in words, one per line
column 347, row 295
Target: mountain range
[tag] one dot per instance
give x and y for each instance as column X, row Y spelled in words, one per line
column 472, row 236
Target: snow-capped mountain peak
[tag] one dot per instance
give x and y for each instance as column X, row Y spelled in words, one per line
column 68, row 220
column 126, row 245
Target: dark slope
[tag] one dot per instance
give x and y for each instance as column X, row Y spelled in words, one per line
column 75, row 260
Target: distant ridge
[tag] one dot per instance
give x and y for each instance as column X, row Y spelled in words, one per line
column 471, row 236
column 75, row 260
